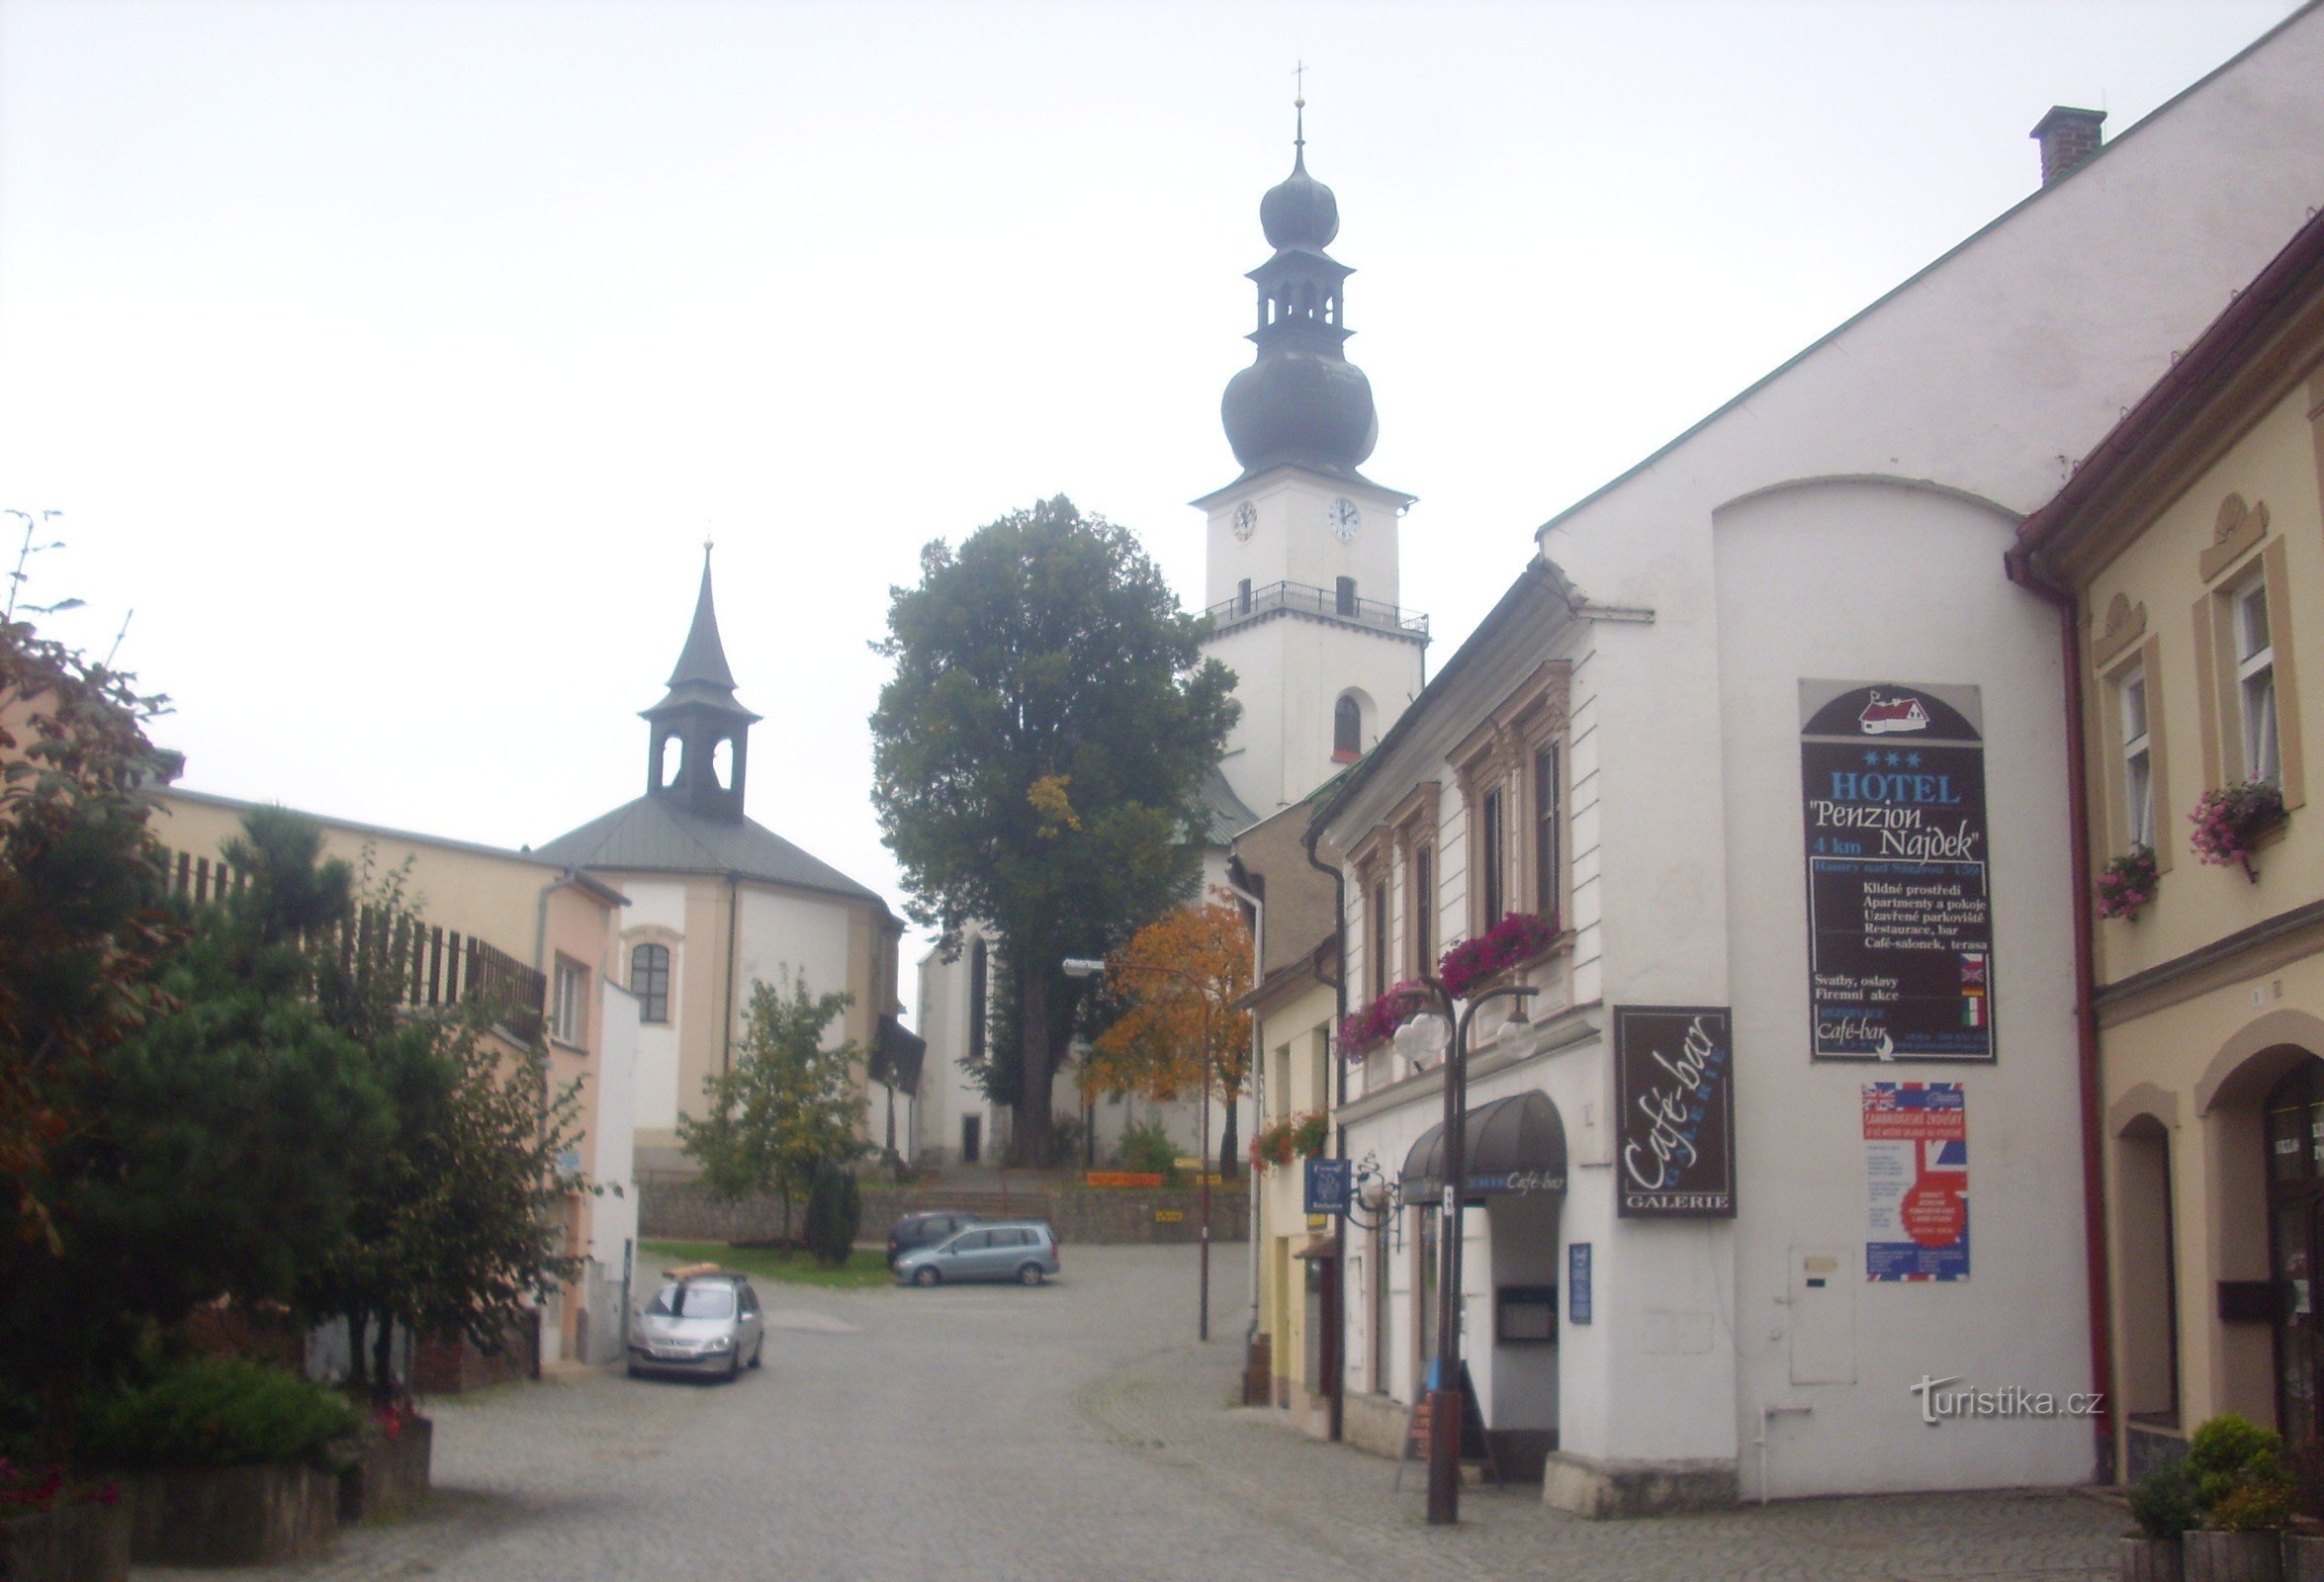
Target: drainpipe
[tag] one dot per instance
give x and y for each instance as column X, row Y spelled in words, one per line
column 2085, row 1025
column 1258, row 905
column 734, row 944
column 1339, row 919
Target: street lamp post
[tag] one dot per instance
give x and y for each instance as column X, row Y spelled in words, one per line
column 1091, row 967
column 1445, row 1402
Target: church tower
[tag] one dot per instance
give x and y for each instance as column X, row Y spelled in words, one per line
column 1301, row 570
column 700, row 735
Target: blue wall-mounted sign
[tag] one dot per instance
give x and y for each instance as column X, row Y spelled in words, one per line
column 1330, row 1185
column 1577, row 1282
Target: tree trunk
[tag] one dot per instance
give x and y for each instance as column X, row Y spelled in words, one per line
column 383, row 1361
column 358, row 1376
column 1029, row 1142
column 1229, row 1157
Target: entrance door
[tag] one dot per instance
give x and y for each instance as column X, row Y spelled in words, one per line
column 2296, row 1196
column 971, row 1138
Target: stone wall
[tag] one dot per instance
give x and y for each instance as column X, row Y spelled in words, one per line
column 681, row 1211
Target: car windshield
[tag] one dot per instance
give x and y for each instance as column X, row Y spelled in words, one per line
column 693, row 1301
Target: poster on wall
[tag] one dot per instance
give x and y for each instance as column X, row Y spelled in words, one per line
column 1900, row 907
column 1674, row 1093
column 1915, row 1180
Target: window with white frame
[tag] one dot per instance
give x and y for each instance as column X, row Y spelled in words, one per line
column 569, row 1005
column 2255, row 682
column 649, row 980
column 2138, row 769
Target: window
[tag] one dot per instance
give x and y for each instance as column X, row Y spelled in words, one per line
column 649, row 980
column 1378, row 943
column 1242, row 596
column 2138, row 769
column 569, row 1011
column 1347, row 731
column 1491, row 877
column 1347, row 595
column 1547, row 795
column 1421, row 927
column 2255, row 682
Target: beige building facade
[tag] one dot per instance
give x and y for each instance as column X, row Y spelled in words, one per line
column 541, row 914
column 2191, row 542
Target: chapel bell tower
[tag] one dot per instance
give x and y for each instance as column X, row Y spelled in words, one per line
column 700, row 735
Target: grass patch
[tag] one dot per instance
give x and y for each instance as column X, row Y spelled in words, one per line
column 865, row 1266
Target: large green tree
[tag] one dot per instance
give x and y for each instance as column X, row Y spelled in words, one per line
column 1038, row 761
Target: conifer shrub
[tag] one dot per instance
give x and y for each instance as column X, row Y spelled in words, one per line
column 835, row 1212
column 213, row 1411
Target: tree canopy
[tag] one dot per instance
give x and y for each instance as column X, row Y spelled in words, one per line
column 1177, row 1032
column 1039, row 759
column 788, row 1110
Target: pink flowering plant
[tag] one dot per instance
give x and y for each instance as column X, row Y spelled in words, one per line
column 2128, row 883
column 1517, row 938
column 1362, row 1031
column 2229, row 821
column 23, row 1490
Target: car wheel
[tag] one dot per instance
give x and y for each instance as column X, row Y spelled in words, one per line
column 636, row 1371
column 924, row 1276
column 734, row 1365
column 1030, row 1274
column 759, row 1352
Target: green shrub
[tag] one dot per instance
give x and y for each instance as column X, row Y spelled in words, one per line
column 216, row 1411
column 2163, row 1501
column 2241, row 1481
column 1146, row 1146
column 835, row 1212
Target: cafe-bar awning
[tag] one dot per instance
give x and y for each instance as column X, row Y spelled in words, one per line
column 1514, row 1145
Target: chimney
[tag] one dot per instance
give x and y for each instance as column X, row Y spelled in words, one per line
column 2068, row 136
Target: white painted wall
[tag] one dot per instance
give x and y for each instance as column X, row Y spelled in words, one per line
column 1294, row 542
column 657, row 905
column 2019, row 1318
column 613, row 1220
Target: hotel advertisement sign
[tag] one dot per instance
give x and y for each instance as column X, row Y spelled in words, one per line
column 1674, row 1093
column 1915, row 1180
column 1900, row 907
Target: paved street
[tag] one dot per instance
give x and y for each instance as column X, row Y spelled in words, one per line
column 1070, row 1431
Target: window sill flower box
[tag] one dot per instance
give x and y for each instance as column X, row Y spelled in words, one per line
column 2232, row 823
column 1300, row 1136
column 1476, row 964
column 2127, row 883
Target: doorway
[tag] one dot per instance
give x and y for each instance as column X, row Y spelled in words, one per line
column 971, row 1139
column 2294, row 1119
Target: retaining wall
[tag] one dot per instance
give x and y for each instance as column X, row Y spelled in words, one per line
column 681, row 1211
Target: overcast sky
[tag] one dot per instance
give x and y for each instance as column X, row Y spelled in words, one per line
column 392, row 361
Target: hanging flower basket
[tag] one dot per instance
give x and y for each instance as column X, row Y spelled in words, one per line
column 1519, row 937
column 2230, row 822
column 2128, row 883
column 1294, row 1137
column 1362, row 1031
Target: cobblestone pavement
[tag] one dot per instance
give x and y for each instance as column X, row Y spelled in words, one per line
column 1070, row 1431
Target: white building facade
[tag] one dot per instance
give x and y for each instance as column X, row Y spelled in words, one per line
column 1785, row 750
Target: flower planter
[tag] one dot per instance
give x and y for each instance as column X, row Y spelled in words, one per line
column 87, row 1543
column 2303, row 1557
column 387, row 1476
column 233, row 1514
column 2234, row 1556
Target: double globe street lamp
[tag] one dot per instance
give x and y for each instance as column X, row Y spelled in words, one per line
column 1416, row 1040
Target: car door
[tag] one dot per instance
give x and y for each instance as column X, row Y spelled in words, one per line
column 750, row 1332
column 972, row 1257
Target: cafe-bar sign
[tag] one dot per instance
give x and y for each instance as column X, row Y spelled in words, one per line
column 1675, row 1096
column 1900, row 903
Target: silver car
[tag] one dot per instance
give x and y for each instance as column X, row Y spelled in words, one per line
column 1024, row 1250
column 703, row 1321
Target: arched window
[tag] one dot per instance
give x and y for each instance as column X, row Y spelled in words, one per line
column 1347, row 731
column 649, row 980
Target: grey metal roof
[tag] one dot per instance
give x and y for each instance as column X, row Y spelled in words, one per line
column 654, row 836
column 1223, row 813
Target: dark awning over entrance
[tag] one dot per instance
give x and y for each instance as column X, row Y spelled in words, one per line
column 1513, row 1145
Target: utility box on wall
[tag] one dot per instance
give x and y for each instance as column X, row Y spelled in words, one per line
column 1823, row 1316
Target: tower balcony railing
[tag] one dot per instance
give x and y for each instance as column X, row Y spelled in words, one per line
column 1331, row 604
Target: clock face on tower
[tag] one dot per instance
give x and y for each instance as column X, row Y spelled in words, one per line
column 1246, row 519
column 1343, row 517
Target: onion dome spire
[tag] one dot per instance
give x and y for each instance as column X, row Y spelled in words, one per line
column 1301, row 403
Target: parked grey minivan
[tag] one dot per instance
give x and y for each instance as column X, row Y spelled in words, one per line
column 1024, row 1250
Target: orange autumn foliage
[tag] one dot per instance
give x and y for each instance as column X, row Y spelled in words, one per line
column 1178, row 976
